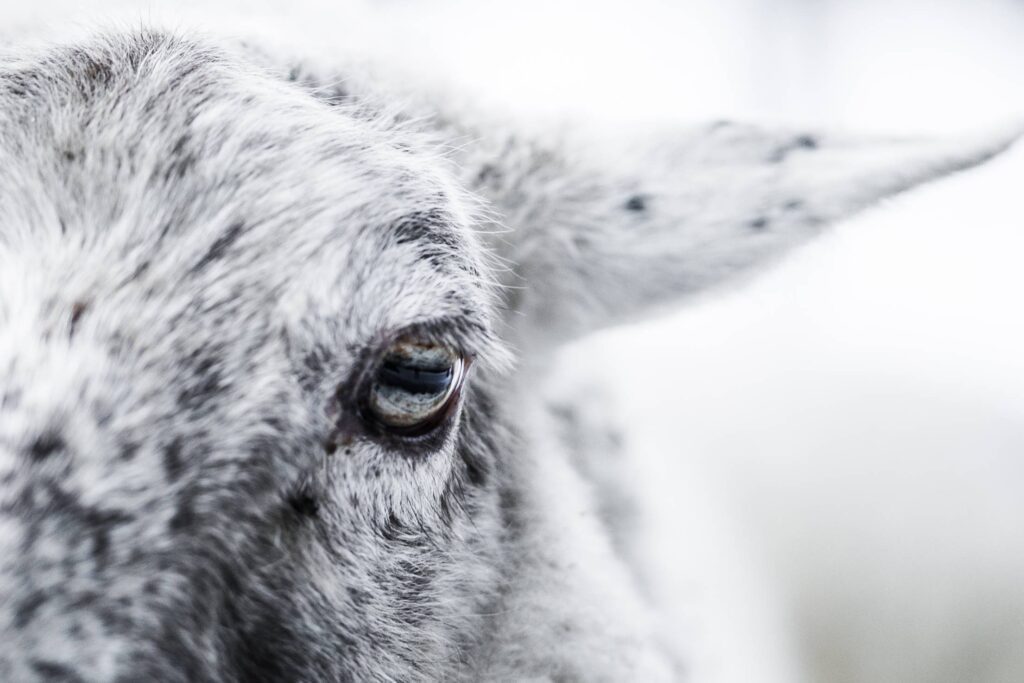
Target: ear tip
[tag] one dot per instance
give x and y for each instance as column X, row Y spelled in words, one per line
column 997, row 138
column 967, row 150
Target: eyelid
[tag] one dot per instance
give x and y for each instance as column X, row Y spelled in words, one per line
column 458, row 334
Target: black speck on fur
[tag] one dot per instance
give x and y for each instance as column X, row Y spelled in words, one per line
column 637, row 203
column 802, row 142
column 220, row 245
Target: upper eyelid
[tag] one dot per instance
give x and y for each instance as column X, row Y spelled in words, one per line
column 459, row 334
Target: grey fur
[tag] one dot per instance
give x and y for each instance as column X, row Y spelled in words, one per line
column 202, row 247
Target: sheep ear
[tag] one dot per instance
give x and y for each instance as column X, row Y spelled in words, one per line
column 602, row 239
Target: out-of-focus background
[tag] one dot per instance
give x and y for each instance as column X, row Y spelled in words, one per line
column 838, row 448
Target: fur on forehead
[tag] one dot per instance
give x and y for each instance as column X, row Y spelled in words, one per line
column 184, row 171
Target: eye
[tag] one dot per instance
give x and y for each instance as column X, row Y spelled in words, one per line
column 414, row 387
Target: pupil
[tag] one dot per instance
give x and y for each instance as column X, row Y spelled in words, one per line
column 397, row 374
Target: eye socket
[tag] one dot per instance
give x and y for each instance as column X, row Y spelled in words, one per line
column 414, row 386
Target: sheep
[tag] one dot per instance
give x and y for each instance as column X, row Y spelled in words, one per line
column 270, row 339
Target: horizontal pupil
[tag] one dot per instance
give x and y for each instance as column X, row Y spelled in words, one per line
column 414, row 380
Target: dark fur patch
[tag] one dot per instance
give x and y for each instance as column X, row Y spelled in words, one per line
column 19, row 83
column 203, row 383
column 431, row 231
column 220, row 246
column 101, row 547
column 173, row 463
column 184, row 517
column 91, row 72
column 129, row 449
column 181, row 159
column 47, row 444
column 487, row 173
column 53, row 672
column 26, row 608
column 477, row 468
column 91, row 517
column 304, row 503
column 475, row 450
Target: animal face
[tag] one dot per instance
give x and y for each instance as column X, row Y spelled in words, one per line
column 206, row 277
column 253, row 422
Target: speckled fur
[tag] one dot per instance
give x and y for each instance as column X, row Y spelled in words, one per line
column 202, row 247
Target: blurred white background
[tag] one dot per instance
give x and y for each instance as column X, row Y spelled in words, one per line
column 840, row 445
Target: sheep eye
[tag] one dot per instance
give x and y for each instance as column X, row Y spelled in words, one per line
column 414, row 387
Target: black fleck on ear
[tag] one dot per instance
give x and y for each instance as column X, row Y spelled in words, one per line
column 636, row 203
column 801, row 142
